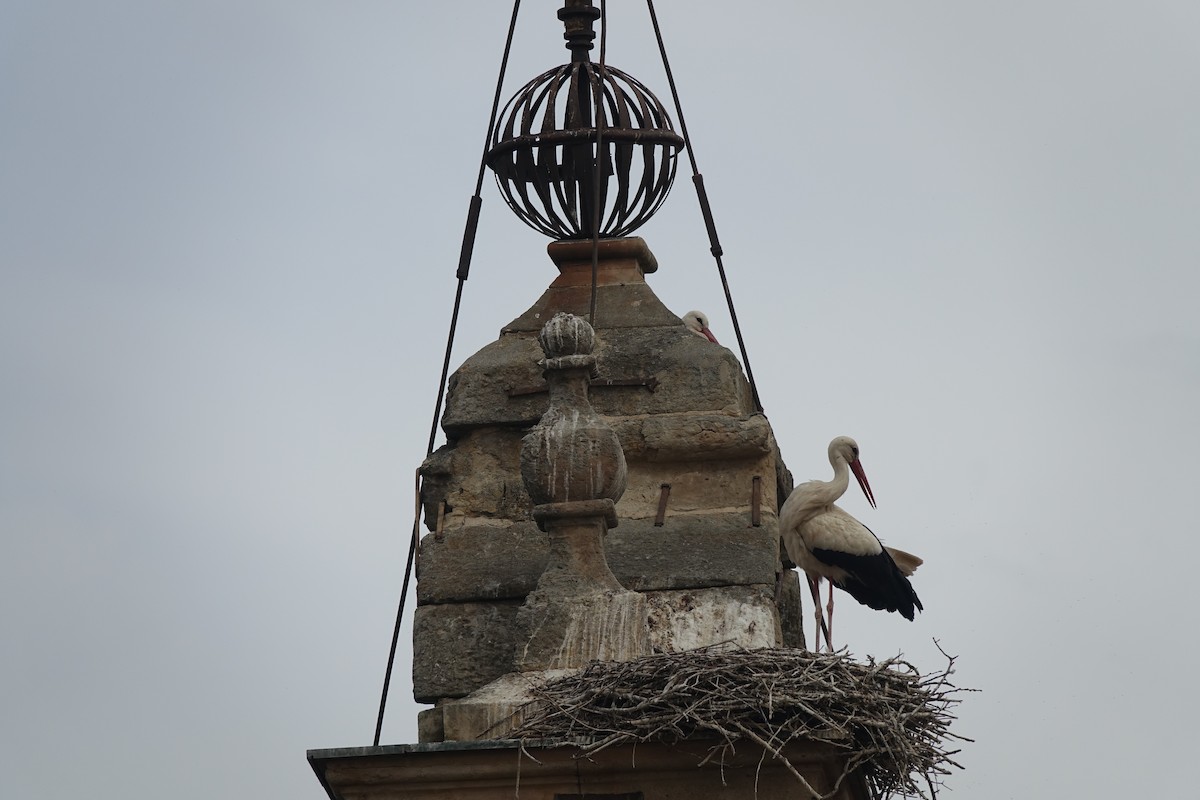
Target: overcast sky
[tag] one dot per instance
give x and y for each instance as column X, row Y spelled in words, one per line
column 966, row 234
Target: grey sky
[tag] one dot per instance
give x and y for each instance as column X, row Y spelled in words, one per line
column 965, row 234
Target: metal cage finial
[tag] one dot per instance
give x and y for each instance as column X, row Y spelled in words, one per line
column 546, row 141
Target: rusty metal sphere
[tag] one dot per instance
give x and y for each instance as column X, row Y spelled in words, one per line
column 544, row 148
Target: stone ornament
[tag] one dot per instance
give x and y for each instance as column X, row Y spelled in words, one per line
column 571, row 455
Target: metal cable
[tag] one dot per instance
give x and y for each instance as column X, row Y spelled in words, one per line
column 464, row 268
column 598, row 114
column 705, row 209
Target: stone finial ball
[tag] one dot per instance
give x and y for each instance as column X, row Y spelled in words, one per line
column 567, row 335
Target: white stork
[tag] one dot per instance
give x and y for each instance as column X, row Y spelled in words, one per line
column 697, row 323
column 826, row 542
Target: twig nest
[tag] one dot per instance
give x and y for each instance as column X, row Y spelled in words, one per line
column 892, row 723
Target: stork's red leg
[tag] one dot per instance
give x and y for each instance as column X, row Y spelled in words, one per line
column 820, row 624
column 829, row 625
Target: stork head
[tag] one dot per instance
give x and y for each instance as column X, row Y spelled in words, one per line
column 845, row 448
column 697, row 323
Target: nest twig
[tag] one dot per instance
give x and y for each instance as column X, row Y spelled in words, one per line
column 892, row 722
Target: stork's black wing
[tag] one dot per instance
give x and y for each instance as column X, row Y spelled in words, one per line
column 874, row 581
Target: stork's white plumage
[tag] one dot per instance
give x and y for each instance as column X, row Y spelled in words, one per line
column 697, row 323
column 826, row 542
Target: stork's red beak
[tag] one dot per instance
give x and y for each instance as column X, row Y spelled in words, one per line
column 708, row 334
column 857, row 468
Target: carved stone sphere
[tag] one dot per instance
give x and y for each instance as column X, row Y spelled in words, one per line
column 567, row 335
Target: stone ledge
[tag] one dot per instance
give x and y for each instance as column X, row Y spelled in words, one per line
column 485, row 770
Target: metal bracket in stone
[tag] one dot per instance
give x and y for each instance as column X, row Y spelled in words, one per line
column 594, row 383
column 660, row 516
column 756, row 501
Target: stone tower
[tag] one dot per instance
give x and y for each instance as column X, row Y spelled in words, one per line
column 696, row 534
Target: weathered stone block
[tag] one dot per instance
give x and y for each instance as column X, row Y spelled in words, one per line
column 502, row 383
column 504, row 562
column 714, row 459
column 481, row 562
column 744, row 616
column 689, row 373
column 458, row 648
column 477, row 477
column 693, row 436
column 699, row 486
column 431, row 727
column 692, row 552
column 494, row 710
column 478, row 392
